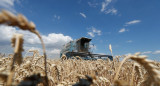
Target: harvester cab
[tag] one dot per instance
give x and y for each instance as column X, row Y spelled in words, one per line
column 83, row 44
column 81, row 48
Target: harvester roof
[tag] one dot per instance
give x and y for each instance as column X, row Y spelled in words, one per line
column 84, row 39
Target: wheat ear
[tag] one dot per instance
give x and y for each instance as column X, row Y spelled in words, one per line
column 21, row 21
column 117, row 73
column 17, row 43
column 153, row 74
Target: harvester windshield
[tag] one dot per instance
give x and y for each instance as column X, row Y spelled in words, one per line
column 83, row 44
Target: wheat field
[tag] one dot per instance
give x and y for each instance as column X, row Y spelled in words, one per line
column 68, row 72
column 37, row 70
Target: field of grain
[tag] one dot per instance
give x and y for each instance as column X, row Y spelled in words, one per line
column 133, row 70
column 101, row 72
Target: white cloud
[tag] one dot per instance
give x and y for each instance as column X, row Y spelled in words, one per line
column 8, row 4
column 132, row 22
column 94, row 32
column 28, row 48
column 53, row 41
column 57, row 17
column 122, row 30
column 6, row 33
column 147, row 52
column 92, row 4
column 156, row 52
column 83, row 15
column 33, row 48
column 91, row 34
column 128, row 54
column 93, row 47
column 105, row 4
column 5, row 48
column 112, row 11
column 129, row 41
column 53, row 53
column 106, row 9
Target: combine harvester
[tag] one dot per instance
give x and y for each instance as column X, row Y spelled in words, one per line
column 80, row 48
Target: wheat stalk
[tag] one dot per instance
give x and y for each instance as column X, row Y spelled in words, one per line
column 17, row 43
column 110, row 48
column 139, row 73
column 154, row 75
column 132, row 78
column 117, row 73
column 21, row 21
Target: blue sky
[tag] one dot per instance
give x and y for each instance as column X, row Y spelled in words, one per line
column 128, row 25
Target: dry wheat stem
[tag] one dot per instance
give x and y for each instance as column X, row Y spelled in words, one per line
column 154, row 75
column 21, row 21
column 139, row 73
column 132, row 78
column 116, row 76
column 17, row 43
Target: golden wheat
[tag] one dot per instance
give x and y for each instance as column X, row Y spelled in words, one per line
column 65, row 72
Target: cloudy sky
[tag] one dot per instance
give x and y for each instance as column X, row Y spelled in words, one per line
column 128, row 25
